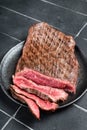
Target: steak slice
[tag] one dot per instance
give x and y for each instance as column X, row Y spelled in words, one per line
column 44, row 92
column 44, row 105
column 42, row 79
column 31, row 104
column 51, row 53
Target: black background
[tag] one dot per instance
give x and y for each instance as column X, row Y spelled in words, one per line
column 16, row 16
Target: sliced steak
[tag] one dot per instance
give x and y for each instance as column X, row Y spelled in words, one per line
column 31, row 104
column 44, row 92
column 51, row 53
column 42, row 79
column 44, row 105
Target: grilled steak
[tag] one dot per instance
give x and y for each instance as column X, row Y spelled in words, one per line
column 50, row 52
column 31, row 104
column 44, row 92
column 46, row 69
column 44, row 105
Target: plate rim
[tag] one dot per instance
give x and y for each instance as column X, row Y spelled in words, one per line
column 2, row 61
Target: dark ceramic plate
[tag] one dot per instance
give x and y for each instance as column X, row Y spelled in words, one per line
column 9, row 62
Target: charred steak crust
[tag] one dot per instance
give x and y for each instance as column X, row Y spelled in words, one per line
column 49, row 52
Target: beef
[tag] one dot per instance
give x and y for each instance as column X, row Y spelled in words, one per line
column 50, row 52
column 31, row 104
column 42, row 79
column 44, row 92
column 46, row 69
column 44, row 105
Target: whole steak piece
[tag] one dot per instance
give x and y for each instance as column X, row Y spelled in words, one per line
column 50, row 52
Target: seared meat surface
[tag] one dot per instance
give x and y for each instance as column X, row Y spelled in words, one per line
column 50, row 52
column 46, row 70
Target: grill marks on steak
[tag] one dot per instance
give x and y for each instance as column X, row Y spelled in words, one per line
column 46, row 69
column 44, row 105
column 44, row 92
column 41, row 79
column 51, row 53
